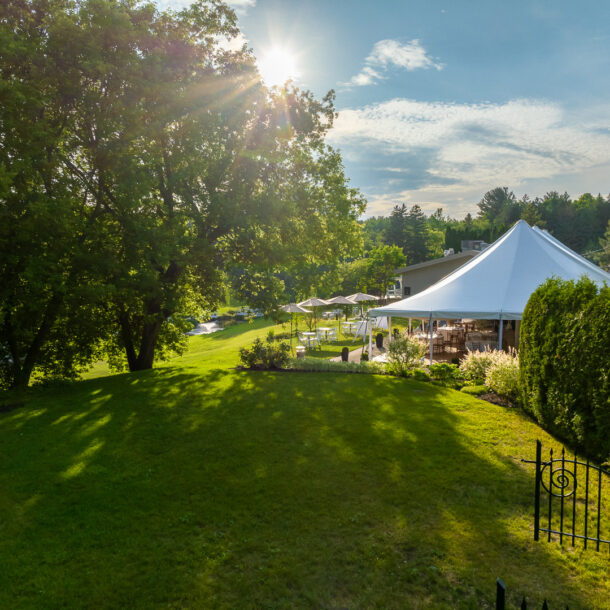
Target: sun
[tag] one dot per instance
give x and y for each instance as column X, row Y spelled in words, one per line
column 277, row 65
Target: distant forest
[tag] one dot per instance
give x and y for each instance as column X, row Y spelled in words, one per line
column 408, row 236
column 580, row 224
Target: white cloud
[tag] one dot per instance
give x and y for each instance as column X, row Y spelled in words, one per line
column 391, row 53
column 469, row 148
column 240, row 6
column 232, row 44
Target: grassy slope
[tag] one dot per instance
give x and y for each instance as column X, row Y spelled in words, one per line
column 198, row 485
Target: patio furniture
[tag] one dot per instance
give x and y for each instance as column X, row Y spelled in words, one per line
column 310, row 339
column 348, row 327
column 324, row 332
column 293, row 308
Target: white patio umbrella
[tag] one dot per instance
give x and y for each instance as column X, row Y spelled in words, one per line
column 361, row 297
column 341, row 301
column 314, row 302
column 293, row 308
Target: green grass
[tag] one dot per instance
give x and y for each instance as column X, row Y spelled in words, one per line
column 331, row 349
column 199, row 485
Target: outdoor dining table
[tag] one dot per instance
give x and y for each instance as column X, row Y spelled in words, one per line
column 310, row 337
column 325, row 330
column 349, row 326
column 450, row 330
column 426, row 336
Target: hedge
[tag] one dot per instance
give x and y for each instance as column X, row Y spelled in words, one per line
column 565, row 363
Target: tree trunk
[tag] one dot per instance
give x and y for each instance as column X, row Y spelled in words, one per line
column 156, row 315
column 127, row 337
column 24, row 372
column 146, row 357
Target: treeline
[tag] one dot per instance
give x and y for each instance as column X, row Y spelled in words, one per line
column 579, row 223
column 408, row 236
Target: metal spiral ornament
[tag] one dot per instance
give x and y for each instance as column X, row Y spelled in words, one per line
column 562, row 480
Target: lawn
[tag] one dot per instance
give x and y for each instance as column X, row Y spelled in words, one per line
column 200, row 485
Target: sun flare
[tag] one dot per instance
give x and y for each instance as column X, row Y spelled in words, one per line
column 277, row 65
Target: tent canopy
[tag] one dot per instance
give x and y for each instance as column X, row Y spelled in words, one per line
column 498, row 282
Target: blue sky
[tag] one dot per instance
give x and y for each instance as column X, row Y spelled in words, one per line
column 440, row 101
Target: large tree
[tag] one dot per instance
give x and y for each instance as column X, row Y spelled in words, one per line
column 382, row 264
column 172, row 161
column 499, row 207
column 48, row 230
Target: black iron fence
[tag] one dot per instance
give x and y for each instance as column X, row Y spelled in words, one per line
column 568, row 500
column 501, row 598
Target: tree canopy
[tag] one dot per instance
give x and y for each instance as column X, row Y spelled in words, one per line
column 139, row 160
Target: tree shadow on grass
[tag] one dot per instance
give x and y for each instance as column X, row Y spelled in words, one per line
column 240, row 489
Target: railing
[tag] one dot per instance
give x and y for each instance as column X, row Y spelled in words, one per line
column 501, row 598
column 571, row 483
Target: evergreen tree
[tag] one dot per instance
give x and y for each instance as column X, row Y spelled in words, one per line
column 416, row 247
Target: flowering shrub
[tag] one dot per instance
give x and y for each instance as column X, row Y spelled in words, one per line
column 474, row 365
column 404, row 355
column 267, row 355
column 502, row 376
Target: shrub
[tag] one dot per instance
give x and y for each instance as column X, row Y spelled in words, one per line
column 474, row 365
column 267, row 355
column 447, row 374
column 420, row 375
column 328, row 366
column 502, row 376
column 404, row 355
column 565, row 362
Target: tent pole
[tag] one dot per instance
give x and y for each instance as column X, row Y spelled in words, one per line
column 370, row 340
column 410, row 321
column 431, row 341
column 389, row 329
column 500, row 334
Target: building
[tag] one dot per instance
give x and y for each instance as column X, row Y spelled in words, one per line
column 473, row 244
column 415, row 278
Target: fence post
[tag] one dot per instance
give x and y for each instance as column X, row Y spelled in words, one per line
column 537, row 492
column 500, row 594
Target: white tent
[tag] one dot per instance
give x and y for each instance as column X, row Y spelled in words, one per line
column 497, row 283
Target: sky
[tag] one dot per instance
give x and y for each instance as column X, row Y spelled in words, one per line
column 441, row 101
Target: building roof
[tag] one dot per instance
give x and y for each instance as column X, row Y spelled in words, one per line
column 436, row 261
column 498, row 282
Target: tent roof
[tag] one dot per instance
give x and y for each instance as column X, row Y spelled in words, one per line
column 498, row 281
